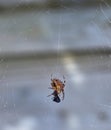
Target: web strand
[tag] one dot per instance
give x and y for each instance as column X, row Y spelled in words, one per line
column 59, row 44
column 103, row 12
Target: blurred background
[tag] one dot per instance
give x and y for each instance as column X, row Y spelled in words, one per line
column 70, row 38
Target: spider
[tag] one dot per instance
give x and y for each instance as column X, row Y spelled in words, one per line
column 58, row 87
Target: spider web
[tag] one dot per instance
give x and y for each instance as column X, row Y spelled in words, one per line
column 87, row 101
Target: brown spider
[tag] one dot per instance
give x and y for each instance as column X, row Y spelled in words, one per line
column 58, row 87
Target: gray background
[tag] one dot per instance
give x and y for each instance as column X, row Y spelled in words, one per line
column 40, row 38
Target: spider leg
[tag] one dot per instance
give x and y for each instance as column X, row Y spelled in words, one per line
column 50, row 95
column 63, row 94
column 50, row 88
column 64, row 79
column 51, row 77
